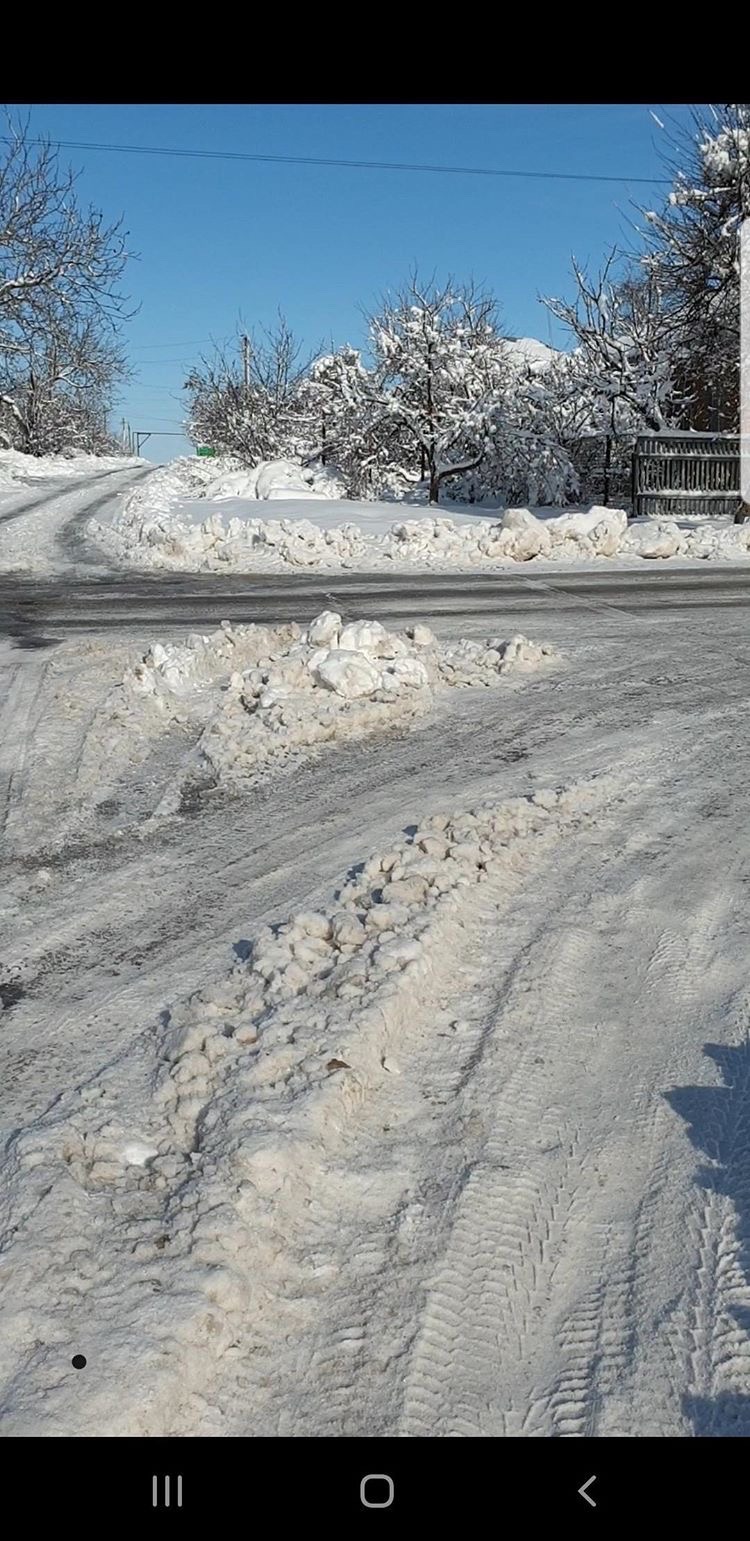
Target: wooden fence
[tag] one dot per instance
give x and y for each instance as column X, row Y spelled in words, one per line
column 696, row 474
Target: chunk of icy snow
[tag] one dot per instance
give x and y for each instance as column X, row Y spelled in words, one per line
column 324, row 630
column 138, row 1154
column 364, row 637
column 349, row 674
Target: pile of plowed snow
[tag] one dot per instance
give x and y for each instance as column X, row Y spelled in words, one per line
column 186, row 516
column 344, row 681
column 165, row 1189
column 247, row 701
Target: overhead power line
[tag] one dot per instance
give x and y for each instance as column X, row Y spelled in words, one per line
column 191, row 342
column 353, row 165
column 148, row 363
column 174, row 422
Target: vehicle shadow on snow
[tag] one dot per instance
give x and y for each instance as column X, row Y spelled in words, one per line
column 718, row 1121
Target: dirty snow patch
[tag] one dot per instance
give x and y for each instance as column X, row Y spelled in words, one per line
column 165, row 1251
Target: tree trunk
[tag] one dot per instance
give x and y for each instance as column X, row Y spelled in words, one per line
column 607, row 465
column 438, row 477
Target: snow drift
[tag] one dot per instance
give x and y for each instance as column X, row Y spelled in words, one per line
column 165, row 523
column 243, row 703
column 166, row 1189
column 288, row 691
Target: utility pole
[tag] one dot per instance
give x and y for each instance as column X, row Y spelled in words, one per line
column 246, row 361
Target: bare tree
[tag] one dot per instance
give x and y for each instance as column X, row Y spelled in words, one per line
column 252, row 403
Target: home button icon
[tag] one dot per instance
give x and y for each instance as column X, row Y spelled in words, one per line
column 376, row 1491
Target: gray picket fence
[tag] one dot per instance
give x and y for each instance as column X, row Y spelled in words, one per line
column 696, row 474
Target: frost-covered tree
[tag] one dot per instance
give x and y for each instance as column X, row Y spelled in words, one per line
column 356, row 430
column 527, row 459
column 60, row 303
column 438, row 368
column 693, row 256
column 221, row 408
column 442, row 400
column 626, row 358
column 58, row 388
column 253, row 403
column 658, row 334
column 337, row 395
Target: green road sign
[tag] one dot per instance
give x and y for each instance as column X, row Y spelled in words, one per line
column 204, row 450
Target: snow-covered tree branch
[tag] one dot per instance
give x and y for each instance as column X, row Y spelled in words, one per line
column 60, row 302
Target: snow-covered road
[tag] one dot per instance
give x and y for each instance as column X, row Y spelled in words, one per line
column 535, row 1220
column 141, row 605
column 43, row 529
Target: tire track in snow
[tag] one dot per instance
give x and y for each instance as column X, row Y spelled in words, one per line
column 17, row 723
column 710, row 1332
column 666, row 876
column 550, row 1238
column 64, row 490
column 592, row 1341
column 594, row 1337
column 371, row 1219
column 485, row 1301
column 599, row 1357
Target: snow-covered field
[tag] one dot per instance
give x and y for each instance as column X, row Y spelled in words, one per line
column 275, row 519
column 407, row 1092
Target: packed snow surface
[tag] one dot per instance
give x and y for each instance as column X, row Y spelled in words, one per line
column 186, row 517
column 16, row 467
column 44, row 501
column 164, row 1192
column 404, row 1095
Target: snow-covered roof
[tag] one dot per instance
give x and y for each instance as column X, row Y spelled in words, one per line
column 529, row 352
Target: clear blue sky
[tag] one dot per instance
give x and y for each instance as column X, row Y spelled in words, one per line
column 217, row 238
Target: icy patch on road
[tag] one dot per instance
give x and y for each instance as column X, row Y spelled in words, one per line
column 149, row 1215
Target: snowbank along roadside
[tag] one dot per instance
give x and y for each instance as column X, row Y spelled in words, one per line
column 150, row 1213
column 223, row 710
column 309, row 525
column 287, row 691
